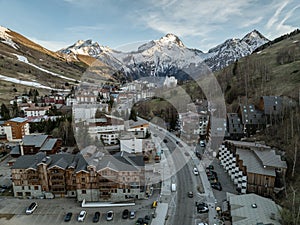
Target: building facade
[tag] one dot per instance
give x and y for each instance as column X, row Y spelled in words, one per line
column 16, row 128
column 112, row 178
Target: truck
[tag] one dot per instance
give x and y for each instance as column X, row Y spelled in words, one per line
column 173, row 187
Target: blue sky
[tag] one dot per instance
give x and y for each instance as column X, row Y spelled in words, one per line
column 121, row 24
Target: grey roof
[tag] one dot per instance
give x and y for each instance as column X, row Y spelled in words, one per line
column 2, row 122
column 28, row 161
column 269, row 158
column 243, row 213
column 15, row 150
column 248, row 144
column 18, row 119
column 250, row 115
column 133, row 123
column 62, row 160
column 49, row 144
column 121, row 162
column 35, row 140
column 253, row 164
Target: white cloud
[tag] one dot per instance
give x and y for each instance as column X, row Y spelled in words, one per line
column 277, row 24
column 274, row 18
column 51, row 45
column 250, row 23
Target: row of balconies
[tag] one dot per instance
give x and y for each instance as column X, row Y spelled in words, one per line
column 228, row 161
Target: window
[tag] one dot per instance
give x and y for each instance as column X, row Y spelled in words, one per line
column 36, row 188
column 83, row 179
column 83, row 191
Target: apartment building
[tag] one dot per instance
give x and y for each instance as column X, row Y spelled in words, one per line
column 93, row 178
column 253, row 167
column 16, row 128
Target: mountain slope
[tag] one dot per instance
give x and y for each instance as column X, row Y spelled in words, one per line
column 25, row 64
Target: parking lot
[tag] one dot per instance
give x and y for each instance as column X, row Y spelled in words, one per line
column 12, row 212
column 226, row 182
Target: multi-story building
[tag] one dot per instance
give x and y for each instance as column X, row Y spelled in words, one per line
column 91, row 177
column 16, row 128
column 106, row 128
column 36, row 111
column 235, row 128
column 253, row 167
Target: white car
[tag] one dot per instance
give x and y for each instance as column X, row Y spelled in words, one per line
column 195, row 171
column 81, row 216
column 109, row 215
column 31, row 208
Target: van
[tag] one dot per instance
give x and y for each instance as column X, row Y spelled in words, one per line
column 154, row 204
column 173, row 187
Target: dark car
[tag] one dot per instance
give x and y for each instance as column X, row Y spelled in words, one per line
column 190, row 194
column 68, row 216
column 202, row 207
column 140, row 221
column 96, row 217
column 125, row 214
column 211, row 173
column 217, row 186
column 147, row 219
column 210, row 167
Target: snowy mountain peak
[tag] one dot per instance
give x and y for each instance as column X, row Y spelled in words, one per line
column 171, row 39
column 254, row 39
column 87, row 47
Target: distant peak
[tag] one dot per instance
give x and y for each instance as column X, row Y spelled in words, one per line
column 255, row 34
column 171, row 38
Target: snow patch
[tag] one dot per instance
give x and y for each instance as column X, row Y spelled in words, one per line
column 7, row 38
column 25, row 60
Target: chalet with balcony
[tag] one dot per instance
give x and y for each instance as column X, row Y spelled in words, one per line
column 90, row 177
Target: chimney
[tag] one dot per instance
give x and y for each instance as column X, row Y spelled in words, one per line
column 21, row 148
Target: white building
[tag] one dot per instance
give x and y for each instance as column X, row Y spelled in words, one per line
column 106, row 128
column 84, row 112
column 36, row 111
column 170, row 82
column 131, row 144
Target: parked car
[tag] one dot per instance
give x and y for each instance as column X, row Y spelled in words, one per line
column 140, row 221
column 125, row 214
column 190, row 194
column 211, row 172
column 109, row 215
column 81, row 216
column 202, row 224
column 210, row 167
column 31, row 208
column 96, row 217
column 68, row 216
column 202, row 209
column 216, row 185
column 147, row 218
column 202, row 143
column 195, row 171
column 132, row 215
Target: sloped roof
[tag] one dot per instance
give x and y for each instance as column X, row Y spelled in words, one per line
column 36, row 140
column 18, row 119
column 49, row 144
column 269, row 158
column 243, row 213
column 253, row 164
column 28, row 161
